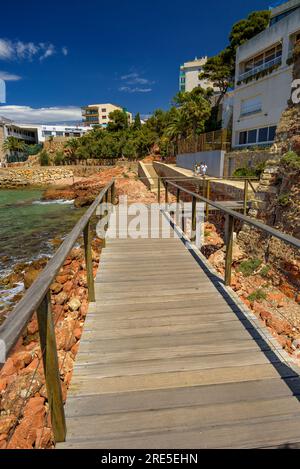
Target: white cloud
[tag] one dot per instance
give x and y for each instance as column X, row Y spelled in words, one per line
column 129, row 89
column 131, row 82
column 6, row 50
column 27, row 114
column 9, row 76
column 19, row 50
column 48, row 52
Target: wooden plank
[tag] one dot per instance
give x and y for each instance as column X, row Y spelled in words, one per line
column 167, row 360
column 181, row 397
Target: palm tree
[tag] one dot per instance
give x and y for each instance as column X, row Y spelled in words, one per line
column 72, row 146
column 177, row 128
column 14, row 146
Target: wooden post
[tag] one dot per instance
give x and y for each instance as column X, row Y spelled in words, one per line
column 113, row 193
column 89, row 262
column 208, row 197
column 51, row 369
column 158, row 189
column 229, row 246
column 245, row 196
column 101, row 218
column 178, row 196
column 166, row 193
column 194, row 221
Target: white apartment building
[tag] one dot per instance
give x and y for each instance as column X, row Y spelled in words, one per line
column 71, row 131
column 98, row 114
column 189, row 75
column 264, row 77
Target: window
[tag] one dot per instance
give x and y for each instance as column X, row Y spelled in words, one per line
column 243, row 138
column 252, row 135
column 251, row 106
column 103, row 110
column 272, row 133
column 103, row 117
column 263, row 134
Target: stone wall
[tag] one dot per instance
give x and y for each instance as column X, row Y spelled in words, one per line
column 21, row 177
column 244, row 158
column 277, row 205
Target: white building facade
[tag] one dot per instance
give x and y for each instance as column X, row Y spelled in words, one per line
column 98, row 114
column 72, row 131
column 189, row 75
column 264, row 78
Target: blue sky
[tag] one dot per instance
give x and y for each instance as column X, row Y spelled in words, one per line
column 65, row 54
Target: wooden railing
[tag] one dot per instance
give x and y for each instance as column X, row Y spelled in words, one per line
column 231, row 216
column 37, row 299
column 210, row 141
column 207, row 186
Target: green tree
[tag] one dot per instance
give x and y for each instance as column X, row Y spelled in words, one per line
column 220, row 69
column 118, row 121
column 59, row 158
column 14, row 146
column 44, row 158
column 137, row 125
column 72, row 146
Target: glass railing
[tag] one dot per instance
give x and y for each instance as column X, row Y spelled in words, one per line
column 261, row 68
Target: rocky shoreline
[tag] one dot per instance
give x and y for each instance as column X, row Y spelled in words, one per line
column 24, row 413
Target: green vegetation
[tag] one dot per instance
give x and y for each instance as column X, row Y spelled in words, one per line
column 246, row 171
column 59, row 158
column 257, row 295
column 187, row 117
column 291, row 159
column 284, row 199
column 264, row 272
column 220, row 69
column 44, row 158
column 248, row 267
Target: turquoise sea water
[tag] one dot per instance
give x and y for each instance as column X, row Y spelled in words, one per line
column 27, row 225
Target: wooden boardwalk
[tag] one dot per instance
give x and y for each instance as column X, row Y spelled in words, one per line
column 168, row 359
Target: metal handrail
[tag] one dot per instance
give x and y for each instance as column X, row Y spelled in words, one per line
column 231, row 215
column 37, row 299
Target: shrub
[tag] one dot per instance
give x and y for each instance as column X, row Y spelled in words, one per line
column 59, row 158
column 44, row 158
column 248, row 267
column 284, row 199
column 257, row 295
column 246, row 171
column 264, row 272
column 291, row 159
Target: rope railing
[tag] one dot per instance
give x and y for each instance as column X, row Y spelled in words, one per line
column 38, row 299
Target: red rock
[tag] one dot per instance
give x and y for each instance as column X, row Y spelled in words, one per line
column 259, row 309
column 22, row 359
column 17, row 389
column 3, row 384
column 276, row 297
column 61, row 298
column 6, row 423
column 32, row 327
column 57, row 311
column 30, row 276
column 8, row 368
column 3, row 444
column 56, row 288
column 62, row 279
column 77, row 333
column 279, row 326
column 84, row 308
column 75, row 349
column 287, row 290
column 68, row 286
column 44, row 438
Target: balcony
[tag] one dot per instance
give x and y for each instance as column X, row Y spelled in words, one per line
column 265, row 66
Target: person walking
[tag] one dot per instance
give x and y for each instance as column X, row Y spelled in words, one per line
column 204, row 169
